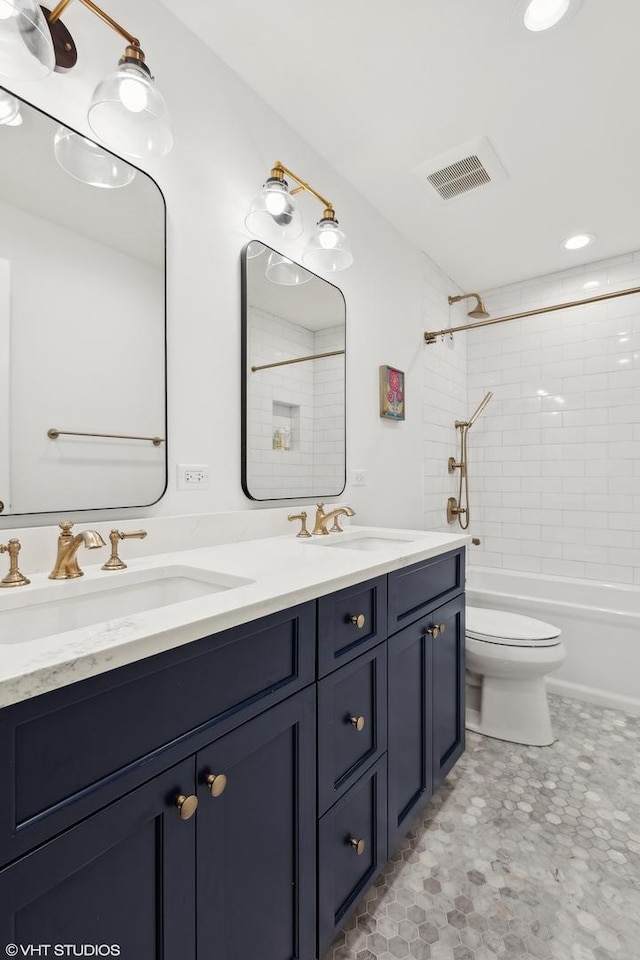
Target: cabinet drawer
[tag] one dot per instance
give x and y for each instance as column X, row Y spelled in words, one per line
column 352, row 723
column 351, row 621
column 73, row 750
column 414, row 589
column 352, row 848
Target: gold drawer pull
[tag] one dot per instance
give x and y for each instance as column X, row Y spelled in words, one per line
column 217, row 783
column 436, row 630
column 358, row 846
column 187, row 806
column 358, row 621
column 358, row 722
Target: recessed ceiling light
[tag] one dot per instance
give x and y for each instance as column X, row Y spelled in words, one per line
column 535, row 16
column 578, row 241
column 543, row 14
column 591, row 285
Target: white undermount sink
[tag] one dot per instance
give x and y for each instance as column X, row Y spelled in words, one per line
column 360, row 540
column 68, row 605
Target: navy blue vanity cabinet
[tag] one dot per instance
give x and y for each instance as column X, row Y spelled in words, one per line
column 410, row 727
column 352, row 723
column 352, row 849
column 124, row 877
column 426, row 684
column 448, row 698
column 256, row 878
column 351, row 621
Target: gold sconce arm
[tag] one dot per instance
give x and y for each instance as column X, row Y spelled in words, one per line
column 57, row 12
column 279, row 169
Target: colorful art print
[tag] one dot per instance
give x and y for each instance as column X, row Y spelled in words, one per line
column 391, row 393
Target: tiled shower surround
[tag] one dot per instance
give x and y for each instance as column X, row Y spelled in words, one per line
column 555, row 458
column 525, row 853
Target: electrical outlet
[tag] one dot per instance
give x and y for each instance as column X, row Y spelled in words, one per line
column 193, row 476
column 359, row 478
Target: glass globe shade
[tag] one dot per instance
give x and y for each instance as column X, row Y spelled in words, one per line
column 274, row 213
column 90, row 163
column 26, row 47
column 329, row 250
column 129, row 114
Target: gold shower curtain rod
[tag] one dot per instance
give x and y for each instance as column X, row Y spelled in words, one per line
column 431, row 336
column 285, row 363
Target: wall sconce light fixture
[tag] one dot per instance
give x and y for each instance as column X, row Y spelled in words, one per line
column 126, row 112
column 274, row 215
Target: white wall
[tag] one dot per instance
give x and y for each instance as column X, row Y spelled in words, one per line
column 226, row 141
column 5, row 382
column 555, row 458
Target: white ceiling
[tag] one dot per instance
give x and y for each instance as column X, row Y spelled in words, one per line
column 380, row 89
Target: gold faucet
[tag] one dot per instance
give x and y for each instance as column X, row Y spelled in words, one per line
column 14, row 578
column 322, row 519
column 66, row 565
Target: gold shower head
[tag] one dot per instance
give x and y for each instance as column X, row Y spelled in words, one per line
column 479, row 312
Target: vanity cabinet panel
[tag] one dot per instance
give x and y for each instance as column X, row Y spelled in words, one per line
column 448, row 689
column 124, row 876
column 256, row 839
column 410, row 751
column 351, row 621
column 73, row 750
column 352, row 848
column 414, row 590
column 352, row 723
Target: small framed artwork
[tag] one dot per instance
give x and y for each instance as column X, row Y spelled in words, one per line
column 392, row 403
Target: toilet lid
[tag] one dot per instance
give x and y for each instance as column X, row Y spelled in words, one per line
column 509, row 629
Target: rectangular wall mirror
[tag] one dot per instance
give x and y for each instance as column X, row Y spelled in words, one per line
column 82, row 323
column 293, row 380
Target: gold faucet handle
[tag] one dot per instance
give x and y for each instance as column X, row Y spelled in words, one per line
column 66, row 526
column 114, row 562
column 14, row 578
column 303, row 517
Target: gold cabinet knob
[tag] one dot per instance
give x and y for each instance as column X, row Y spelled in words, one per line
column 358, row 722
column 358, row 846
column 436, row 630
column 217, row 783
column 358, row 621
column 187, row 806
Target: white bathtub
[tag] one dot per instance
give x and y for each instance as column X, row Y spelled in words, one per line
column 600, row 625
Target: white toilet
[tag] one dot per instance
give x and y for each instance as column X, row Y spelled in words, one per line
column 508, row 657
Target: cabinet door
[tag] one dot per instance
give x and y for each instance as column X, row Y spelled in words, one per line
column 256, row 838
column 124, row 877
column 448, row 688
column 410, row 757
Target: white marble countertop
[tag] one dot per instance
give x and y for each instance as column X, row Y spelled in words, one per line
column 283, row 571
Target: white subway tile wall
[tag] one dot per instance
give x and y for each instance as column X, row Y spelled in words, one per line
column 554, row 461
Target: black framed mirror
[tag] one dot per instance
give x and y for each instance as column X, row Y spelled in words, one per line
column 83, row 415
column 293, row 379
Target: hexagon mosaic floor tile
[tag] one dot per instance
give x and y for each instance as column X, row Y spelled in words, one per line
column 525, row 853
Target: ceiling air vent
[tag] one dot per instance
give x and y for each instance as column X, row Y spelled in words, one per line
column 459, row 177
column 466, row 168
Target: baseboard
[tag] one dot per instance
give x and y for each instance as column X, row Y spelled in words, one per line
column 604, row 698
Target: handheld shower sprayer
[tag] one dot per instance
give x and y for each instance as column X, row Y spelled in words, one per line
column 460, row 508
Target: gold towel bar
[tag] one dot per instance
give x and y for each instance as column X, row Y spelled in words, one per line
column 54, row 434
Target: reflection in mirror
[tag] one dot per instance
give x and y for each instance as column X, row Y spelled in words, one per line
column 82, row 323
column 293, row 415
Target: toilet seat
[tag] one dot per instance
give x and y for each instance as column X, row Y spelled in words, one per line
column 509, row 629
